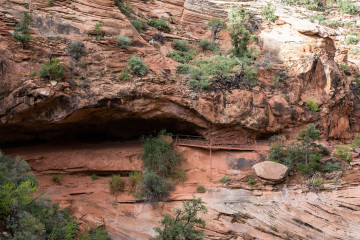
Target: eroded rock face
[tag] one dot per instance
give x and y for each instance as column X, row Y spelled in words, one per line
column 29, row 105
column 270, row 170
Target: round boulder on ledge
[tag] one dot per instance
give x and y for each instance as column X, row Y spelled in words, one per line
column 270, row 170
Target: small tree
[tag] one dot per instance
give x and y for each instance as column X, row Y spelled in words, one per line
column 182, row 225
column 159, row 156
column 154, row 187
column 216, row 26
column 307, row 139
column 22, row 32
column 116, row 185
column 52, row 69
column 240, row 35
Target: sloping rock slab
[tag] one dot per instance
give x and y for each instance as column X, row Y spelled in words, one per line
column 271, row 171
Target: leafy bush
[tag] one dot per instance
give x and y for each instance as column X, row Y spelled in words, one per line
column 184, row 224
column 97, row 233
column 200, row 189
column 155, row 187
column 251, row 181
column 23, row 216
column 332, row 167
column 182, row 57
column 183, row 68
column 312, row 105
column 316, row 182
column 124, row 75
column 345, row 69
column 316, row 5
column 160, row 24
column 56, row 178
column 94, row 177
column 135, row 179
column 123, row 42
column 181, row 45
column 179, row 176
column 159, row 156
column 346, row 6
column 138, row 25
column 22, row 32
column 352, row 39
column 98, row 29
column 137, row 66
column 52, row 69
column 304, row 152
column 356, row 142
column 268, row 11
column 225, row 179
column 117, row 185
column 208, row 45
column 76, row 49
column 343, row 152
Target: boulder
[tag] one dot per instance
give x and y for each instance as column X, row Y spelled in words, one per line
column 357, row 150
column 271, row 171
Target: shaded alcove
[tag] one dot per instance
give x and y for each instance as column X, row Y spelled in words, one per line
column 93, row 130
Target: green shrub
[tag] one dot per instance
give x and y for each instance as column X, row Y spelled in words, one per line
column 98, row 29
column 97, row 233
column 137, row 66
column 159, row 156
column 94, row 177
column 138, row 25
column 185, row 224
column 56, row 178
column 180, row 176
column 160, row 24
column 312, row 105
column 332, row 167
column 251, row 181
column 135, row 179
column 316, row 182
column 352, row 39
column 183, row 68
column 116, row 184
column 200, row 189
column 268, row 11
column 356, row 142
column 333, row 23
column 316, row 5
column 208, row 45
column 22, row 32
column 225, row 179
column 181, row 45
column 123, row 42
column 52, row 69
column 76, row 49
column 343, row 152
column 182, row 57
column 155, row 187
column 23, row 216
column 124, row 75
column 346, row 6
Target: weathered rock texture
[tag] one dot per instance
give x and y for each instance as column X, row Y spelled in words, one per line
column 91, row 100
column 271, row 171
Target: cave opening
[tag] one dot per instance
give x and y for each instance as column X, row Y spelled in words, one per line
column 94, row 130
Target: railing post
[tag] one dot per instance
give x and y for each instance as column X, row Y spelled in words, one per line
column 211, row 165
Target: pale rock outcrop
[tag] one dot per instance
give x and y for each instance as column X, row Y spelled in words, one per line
column 270, row 170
